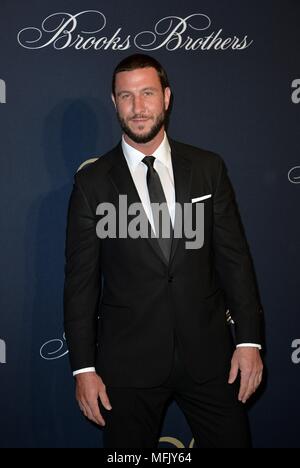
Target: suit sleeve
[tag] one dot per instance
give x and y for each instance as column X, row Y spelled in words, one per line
column 82, row 287
column 234, row 264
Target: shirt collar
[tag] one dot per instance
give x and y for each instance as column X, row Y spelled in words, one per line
column 134, row 157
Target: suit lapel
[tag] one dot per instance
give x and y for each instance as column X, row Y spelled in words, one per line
column 124, row 184
column 182, row 171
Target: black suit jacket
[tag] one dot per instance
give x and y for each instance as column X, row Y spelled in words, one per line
column 123, row 303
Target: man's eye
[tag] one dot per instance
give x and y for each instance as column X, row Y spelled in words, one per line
column 148, row 93
column 124, row 96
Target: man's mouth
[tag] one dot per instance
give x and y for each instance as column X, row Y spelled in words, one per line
column 140, row 119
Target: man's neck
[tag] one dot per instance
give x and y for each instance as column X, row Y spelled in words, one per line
column 147, row 148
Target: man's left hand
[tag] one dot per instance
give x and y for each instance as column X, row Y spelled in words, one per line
column 247, row 360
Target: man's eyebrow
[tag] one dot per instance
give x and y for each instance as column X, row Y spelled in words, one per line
column 150, row 88
column 147, row 88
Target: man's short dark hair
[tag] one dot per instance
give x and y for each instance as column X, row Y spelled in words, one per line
column 135, row 61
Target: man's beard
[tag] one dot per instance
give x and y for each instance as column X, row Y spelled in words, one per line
column 159, row 122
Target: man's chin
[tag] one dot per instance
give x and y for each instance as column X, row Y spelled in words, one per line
column 140, row 132
column 144, row 134
column 140, row 137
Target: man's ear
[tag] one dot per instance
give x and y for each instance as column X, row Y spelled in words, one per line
column 113, row 100
column 167, row 97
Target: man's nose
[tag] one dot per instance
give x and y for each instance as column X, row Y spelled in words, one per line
column 138, row 105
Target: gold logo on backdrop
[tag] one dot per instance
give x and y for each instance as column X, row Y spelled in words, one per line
column 176, row 442
column 86, row 163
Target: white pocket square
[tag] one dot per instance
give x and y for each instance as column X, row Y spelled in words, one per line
column 204, row 197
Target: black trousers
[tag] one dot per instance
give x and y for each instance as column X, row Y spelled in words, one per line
column 216, row 418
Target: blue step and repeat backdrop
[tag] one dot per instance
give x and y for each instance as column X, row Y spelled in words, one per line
column 234, row 68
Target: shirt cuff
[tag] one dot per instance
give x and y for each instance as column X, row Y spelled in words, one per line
column 250, row 345
column 82, row 371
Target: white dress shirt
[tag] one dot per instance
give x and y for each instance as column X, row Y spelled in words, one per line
column 162, row 165
column 138, row 170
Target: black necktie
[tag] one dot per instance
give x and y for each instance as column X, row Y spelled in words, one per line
column 156, row 195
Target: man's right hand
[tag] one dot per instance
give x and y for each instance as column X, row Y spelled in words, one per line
column 90, row 387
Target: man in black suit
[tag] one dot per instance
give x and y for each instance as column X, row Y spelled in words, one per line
column 145, row 317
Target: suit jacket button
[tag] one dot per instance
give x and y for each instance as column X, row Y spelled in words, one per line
column 170, row 279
